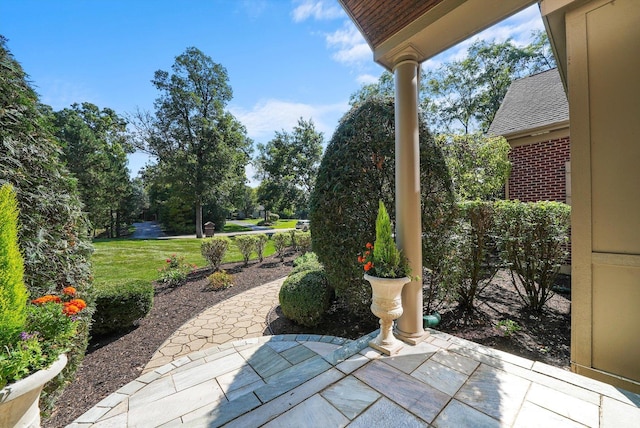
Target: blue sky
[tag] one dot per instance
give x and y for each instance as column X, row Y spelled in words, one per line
column 286, row 59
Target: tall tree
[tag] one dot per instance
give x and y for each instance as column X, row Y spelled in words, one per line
column 462, row 96
column 95, row 145
column 201, row 147
column 288, row 166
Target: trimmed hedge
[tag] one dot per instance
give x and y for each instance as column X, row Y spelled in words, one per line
column 119, row 306
column 305, row 297
column 533, row 241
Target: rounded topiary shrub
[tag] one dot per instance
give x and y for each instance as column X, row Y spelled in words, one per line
column 356, row 172
column 119, row 306
column 305, row 262
column 305, row 297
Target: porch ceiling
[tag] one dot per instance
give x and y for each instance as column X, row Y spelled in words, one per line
column 421, row 29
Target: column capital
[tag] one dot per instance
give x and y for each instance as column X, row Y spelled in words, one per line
column 408, row 53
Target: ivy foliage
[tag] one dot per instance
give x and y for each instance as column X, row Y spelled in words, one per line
column 356, row 172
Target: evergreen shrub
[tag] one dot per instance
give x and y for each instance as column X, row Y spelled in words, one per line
column 307, row 261
column 13, row 293
column 53, row 233
column 305, row 297
column 120, row 305
column 356, row 172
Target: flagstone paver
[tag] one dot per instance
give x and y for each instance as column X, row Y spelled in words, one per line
column 311, row 380
column 239, row 317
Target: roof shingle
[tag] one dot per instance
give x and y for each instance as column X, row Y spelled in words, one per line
column 531, row 102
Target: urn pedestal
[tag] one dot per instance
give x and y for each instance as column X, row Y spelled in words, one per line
column 387, row 305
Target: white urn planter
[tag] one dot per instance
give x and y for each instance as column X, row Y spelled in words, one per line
column 387, row 305
column 19, row 400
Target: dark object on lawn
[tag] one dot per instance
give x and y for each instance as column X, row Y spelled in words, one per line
column 209, row 229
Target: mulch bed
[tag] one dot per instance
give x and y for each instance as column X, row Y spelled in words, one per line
column 541, row 336
column 112, row 362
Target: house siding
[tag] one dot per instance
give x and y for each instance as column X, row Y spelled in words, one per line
column 538, row 171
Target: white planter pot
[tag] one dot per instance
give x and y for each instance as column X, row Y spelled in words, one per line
column 387, row 305
column 19, row 401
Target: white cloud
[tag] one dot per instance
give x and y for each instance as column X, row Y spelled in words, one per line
column 349, row 46
column 60, row 94
column 366, row 79
column 319, row 10
column 268, row 116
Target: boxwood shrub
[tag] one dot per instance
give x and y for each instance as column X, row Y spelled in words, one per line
column 119, row 306
column 305, row 297
column 305, row 262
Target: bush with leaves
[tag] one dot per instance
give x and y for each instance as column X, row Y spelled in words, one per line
column 533, row 241
column 305, row 297
column 307, row 261
column 261, row 243
column 246, row 245
column 303, row 241
column 357, row 171
column 475, row 256
column 13, row 293
column 175, row 272
column 293, row 239
column 281, row 241
column 120, row 305
column 220, row 280
column 479, row 165
column 54, row 229
column 214, row 249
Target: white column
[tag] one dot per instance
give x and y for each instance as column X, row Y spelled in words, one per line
column 409, row 227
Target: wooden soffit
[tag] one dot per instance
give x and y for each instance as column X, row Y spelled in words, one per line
column 421, row 29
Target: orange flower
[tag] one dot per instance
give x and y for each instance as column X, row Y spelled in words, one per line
column 368, row 266
column 79, row 303
column 360, row 259
column 46, row 299
column 369, row 245
column 69, row 291
column 69, row 309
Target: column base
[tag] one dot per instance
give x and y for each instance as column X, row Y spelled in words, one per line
column 391, row 348
column 413, row 338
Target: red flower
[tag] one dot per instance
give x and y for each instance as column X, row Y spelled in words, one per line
column 360, row 259
column 369, row 246
column 368, row 266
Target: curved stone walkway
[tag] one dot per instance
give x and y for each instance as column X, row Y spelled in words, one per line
column 242, row 316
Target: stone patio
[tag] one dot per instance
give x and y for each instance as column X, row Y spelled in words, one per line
column 321, row 381
column 202, row 376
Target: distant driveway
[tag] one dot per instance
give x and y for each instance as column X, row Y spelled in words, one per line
column 147, row 230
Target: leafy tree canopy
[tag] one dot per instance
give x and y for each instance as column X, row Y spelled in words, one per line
column 288, row 165
column 201, row 148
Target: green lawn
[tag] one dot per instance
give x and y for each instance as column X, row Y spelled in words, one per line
column 228, row 228
column 280, row 224
column 117, row 260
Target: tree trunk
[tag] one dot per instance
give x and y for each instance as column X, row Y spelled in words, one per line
column 198, row 218
column 117, row 223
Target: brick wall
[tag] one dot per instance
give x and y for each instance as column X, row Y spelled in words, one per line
column 538, row 171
